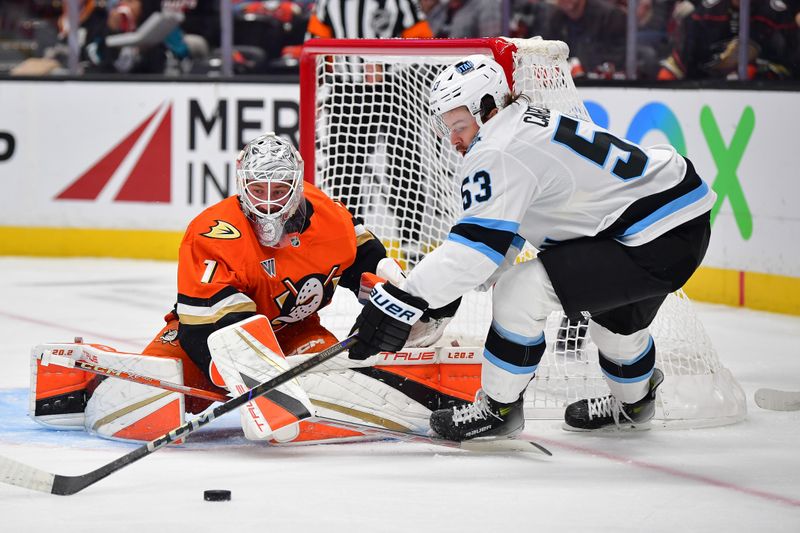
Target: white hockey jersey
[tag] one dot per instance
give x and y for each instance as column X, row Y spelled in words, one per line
column 538, row 176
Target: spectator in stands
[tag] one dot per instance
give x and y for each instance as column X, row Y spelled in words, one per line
column 653, row 19
column 593, row 29
column 352, row 109
column 124, row 16
column 526, row 17
column 707, row 42
column 268, row 35
column 458, row 19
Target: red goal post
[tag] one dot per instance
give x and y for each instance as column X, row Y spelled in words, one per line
column 365, row 139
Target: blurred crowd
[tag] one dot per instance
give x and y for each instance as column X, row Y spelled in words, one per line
column 676, row 39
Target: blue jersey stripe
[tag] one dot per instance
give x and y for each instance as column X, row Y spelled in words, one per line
column 491, row 223
column 517, row 338
column 508, row 367
column 479, row 247
column 672, row 207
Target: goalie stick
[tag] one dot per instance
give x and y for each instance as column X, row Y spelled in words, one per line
column 473, row 445
column 22, row 475
column 778, row 400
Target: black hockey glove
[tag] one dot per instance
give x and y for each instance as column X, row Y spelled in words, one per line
column 386, row 320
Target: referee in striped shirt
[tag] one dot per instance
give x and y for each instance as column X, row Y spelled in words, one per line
column 368, row 19
column 353, row 109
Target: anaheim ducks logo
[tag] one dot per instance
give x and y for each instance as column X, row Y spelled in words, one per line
column 305, row 297
column 222, row 230
column 169, row 337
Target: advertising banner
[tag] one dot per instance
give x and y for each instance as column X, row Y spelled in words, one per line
column 128, row 155
column 743, row 144
column 148, row 156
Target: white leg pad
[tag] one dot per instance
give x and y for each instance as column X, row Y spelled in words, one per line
column 122, row 410
column 247, row 354
column 354, row 397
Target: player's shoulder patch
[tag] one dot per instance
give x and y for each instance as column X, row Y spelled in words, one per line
column 222, row 230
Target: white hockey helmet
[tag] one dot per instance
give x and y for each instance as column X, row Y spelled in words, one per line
column 466, row 83
column 269, row 181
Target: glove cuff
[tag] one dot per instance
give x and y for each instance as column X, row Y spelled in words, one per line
column 446, row 311
column 397, row 303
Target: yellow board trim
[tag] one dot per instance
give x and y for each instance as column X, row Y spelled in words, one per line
column 85, row 242
column 766, row 292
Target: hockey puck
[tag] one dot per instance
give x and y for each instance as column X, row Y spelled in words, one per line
column 217, row 495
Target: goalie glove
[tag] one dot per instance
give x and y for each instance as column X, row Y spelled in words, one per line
column 385, row 322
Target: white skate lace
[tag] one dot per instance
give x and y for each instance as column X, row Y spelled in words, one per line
column 478, row 410
column 606, row 406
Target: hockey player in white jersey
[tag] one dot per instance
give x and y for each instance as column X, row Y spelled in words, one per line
column 618, row 227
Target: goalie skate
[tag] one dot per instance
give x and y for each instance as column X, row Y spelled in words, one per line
column 609, row 413
column 484, row 417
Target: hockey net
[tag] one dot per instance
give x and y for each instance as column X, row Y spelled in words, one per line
column 366, row 140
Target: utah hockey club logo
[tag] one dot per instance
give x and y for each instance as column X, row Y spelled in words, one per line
column 269, row 267
column 137, row 169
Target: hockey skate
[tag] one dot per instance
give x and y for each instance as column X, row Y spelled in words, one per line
column 608, row 413
column 484, row 417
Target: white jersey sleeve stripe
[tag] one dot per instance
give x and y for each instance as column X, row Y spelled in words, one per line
column 493, row 255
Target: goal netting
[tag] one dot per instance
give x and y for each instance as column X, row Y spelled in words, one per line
column 365, row 139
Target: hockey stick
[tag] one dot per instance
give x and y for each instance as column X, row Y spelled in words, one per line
column 364, row 428
column 485, row 444
column 778, row 400
column 125, row 375
column 22, row 475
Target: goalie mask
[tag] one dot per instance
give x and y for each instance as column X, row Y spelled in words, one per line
column 269, row 181
column 467, row 83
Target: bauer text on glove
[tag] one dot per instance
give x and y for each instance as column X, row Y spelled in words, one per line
column 386, row 320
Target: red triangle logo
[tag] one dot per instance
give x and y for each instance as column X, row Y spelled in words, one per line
column 151, row 177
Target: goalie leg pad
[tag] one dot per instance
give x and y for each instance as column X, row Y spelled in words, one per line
column 247, row 354
column 352, row 396
column 58, row 394
column 122, row 410
column 166, row 344
column 108, row 407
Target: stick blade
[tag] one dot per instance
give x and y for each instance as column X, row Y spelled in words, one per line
column 777, row 400
column 22, row 475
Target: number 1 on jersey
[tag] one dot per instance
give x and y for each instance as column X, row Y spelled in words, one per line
column 597, row 149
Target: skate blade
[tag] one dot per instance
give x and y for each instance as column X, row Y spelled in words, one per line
column 622, row 428
column 499, row 445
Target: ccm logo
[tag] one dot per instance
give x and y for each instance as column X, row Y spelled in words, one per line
column 391, row 308
column 408, row 356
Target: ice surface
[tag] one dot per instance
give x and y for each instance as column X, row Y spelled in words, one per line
column 744, row 477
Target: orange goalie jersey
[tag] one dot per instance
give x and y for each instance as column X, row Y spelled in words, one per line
column 225, row 275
